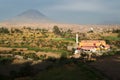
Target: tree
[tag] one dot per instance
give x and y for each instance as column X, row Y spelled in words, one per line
column 119, row 34
column 18, row 31
column 69, row 31
column 56, row 30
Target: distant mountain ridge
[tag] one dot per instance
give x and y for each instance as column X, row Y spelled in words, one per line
column 30, row 16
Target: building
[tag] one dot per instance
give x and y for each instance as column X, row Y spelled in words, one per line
column 93, row 45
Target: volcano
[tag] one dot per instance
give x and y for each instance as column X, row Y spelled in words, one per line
column 29, row 16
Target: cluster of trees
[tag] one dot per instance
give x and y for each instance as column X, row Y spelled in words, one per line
column 116, row 31
column 4, row 30
column 16, row 31
column 63, row 33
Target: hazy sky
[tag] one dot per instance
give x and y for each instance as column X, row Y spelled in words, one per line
column 68, row 11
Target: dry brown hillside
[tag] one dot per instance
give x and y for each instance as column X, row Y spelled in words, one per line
column 74, row 27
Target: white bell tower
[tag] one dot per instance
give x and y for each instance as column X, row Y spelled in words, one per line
column 77, row 39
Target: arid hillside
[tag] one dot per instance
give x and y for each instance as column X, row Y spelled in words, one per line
column 73, row 27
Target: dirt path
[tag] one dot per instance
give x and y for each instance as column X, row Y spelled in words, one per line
column 109, row 65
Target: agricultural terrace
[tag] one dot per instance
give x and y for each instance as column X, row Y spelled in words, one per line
column 46, row 51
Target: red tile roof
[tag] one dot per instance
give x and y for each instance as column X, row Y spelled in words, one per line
column 90, row 44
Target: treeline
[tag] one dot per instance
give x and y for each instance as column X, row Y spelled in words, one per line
column 4, row 30
column 116, row 30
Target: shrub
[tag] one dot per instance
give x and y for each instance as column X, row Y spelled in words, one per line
column 42, row 57
column 110, row 53
column 17, row 53
column 64, row 55
column 53, row 59
column 31, row 55
column 6, row 60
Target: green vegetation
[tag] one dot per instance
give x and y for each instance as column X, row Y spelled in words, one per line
column 4, row 30
column 116, row 30
column 56, row 30
column 6, row 60
column 31, row 56
column 16, row 31
column 111, row 53
column 36, row 39
column 64, row 39
column 111, row 38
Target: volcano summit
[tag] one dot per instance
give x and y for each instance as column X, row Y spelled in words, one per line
column 29, row 16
